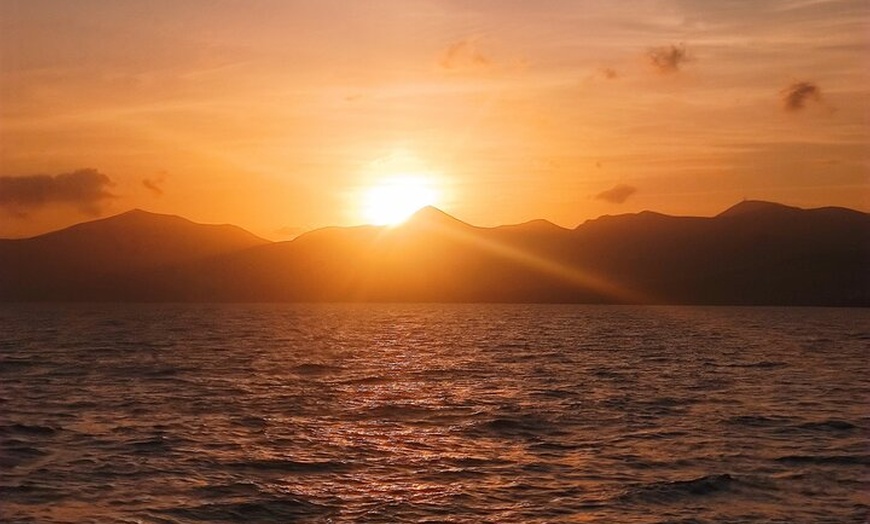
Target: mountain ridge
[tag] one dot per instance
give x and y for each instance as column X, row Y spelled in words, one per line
column 437, row 215
column 753, row 253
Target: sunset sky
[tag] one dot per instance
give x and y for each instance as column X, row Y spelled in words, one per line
column 284, row 116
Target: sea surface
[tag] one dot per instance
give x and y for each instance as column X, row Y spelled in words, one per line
column 433, row 413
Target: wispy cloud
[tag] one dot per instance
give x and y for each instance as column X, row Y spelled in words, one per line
column 668, row 59
column 85, row 189
column 465, row 54
column 795, row 96
column 617, row 194
column 155, row 184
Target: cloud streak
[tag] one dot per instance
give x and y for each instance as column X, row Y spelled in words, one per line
column 85, row 189
column 668, row 59
column 464, row 54
column 155, row 185
column 617, row 194
column 796, row 96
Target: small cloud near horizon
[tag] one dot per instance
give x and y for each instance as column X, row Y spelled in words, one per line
column 668, row 59
column 796, row 96
column 617, row 194
column 84, row 189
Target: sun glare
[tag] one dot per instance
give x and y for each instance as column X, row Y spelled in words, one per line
column 392, row 201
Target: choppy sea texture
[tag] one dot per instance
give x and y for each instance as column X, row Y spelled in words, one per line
column 433, row 413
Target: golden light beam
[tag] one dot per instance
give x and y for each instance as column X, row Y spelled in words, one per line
column 572, row 275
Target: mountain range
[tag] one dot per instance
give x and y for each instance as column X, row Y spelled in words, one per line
column 754, row 253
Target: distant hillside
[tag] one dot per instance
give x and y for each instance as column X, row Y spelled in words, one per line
column 74, row 262
column 753, row 253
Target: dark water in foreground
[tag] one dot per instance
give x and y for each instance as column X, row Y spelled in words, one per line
column 433, row 413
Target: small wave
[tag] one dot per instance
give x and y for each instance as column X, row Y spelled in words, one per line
column 829, row 425
column 847, row 460
column 18, row 454
column 858, row 335
column 669, row 491
column 283, row 509
column 415, row 414
column 155, row 372
column 80, row 404
column 515, row 426
column 252, row 421
column 764, row 364
column 226, row 491
column 16, row 366
column 554, row 393
column 152, row 445
column 758, row 421
column 397, row 412
column 370, row 380
column 27, row 429
column 291, row 466
column 478, row 462
column 31, row 493
column 607, row 373
column 791, row 424
column 315, row 369
column 557, row 446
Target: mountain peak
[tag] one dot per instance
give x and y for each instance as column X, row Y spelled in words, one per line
column 145, row 227
column 429, row 213
column 137, row 219
column 754, row 207
column 431, row 216
column 138, row 212
column 538, row 225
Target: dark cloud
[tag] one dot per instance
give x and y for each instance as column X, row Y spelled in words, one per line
column 155, row 185
column 795, row 96
column 668, row 59
column 617, row 194
column 84, row 189
column 463, row 55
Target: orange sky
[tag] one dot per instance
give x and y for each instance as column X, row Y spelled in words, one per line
column 278, row 115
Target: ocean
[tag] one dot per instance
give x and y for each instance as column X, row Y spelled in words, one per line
column 363, row 413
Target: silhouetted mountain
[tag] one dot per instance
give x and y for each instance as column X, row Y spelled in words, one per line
column 78, row 261
column 756, row 253
column 753, row 253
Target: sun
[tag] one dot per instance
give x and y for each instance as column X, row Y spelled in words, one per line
column 392, row 201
